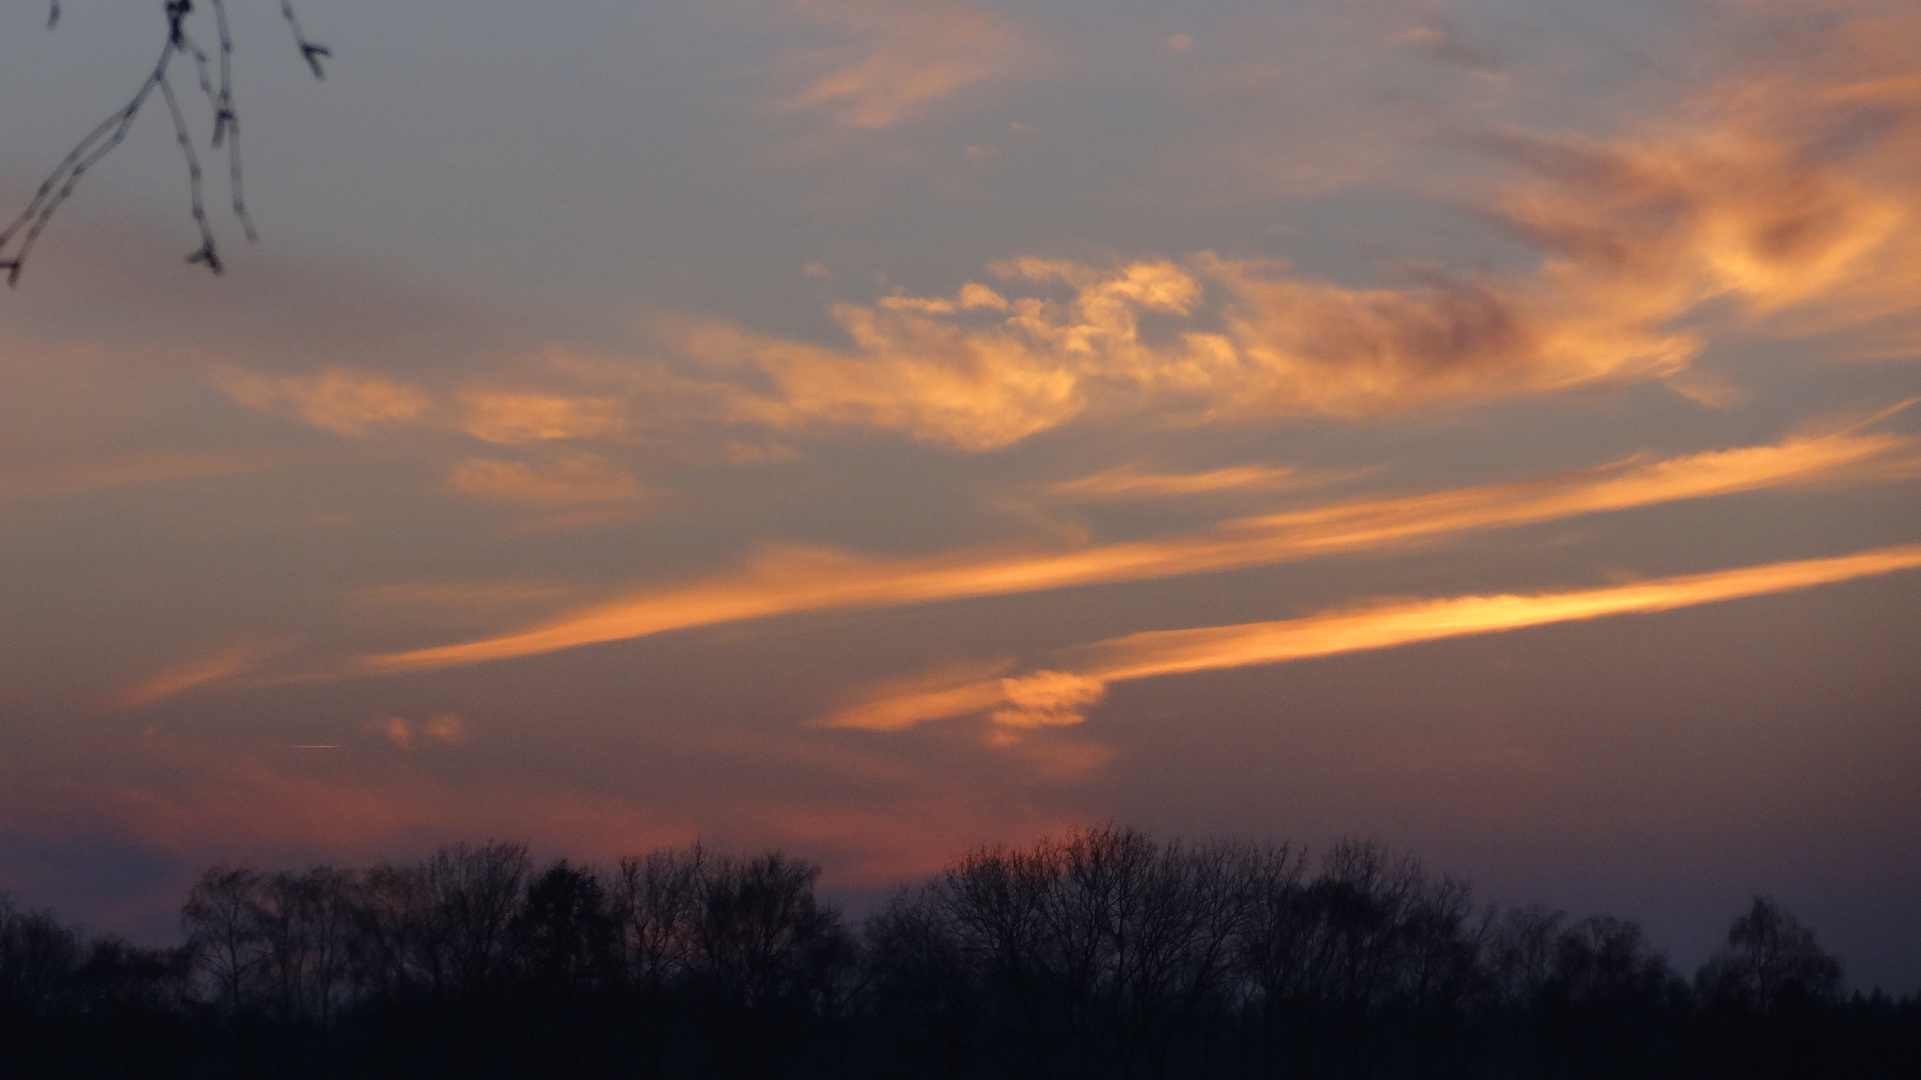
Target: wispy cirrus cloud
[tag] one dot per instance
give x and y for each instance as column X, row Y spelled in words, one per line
column 893, row 60
column 1437, row 36
column 571, row 478
column 789, row 581
column 1127, row 482
column 512, row 419
column 1050, row 697
column 353, row 403
column 980, row 371
column 1741, row 212
column 210, row 667
column 342, row 401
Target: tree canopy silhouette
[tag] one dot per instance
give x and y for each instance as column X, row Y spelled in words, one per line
column 1095, row 954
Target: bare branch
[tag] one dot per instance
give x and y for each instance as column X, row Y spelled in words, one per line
column 207, row 253
column 59, row 185
column 310, row 51
column 227, row 121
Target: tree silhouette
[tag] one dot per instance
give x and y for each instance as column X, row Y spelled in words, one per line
column 222, row 918
column 307, row 924
column 37, row 955
column 566, row 931
column 656, row 903
column 214, row 75
column 925, row 985
column 1770, row 995
column 1770, row 965
column 566, row 946
column 1094, row 954
column 770, row 964
column 80, row 1008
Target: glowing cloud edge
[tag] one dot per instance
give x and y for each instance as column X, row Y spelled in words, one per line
column 1057, row 695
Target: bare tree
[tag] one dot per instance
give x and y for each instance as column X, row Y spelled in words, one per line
column 1101, row 950
column 926, row 987
column 656, row 904
column 37, row 957
column 214, row 73
column 1771, row 963
column 1272, row 950
column 771, row 960
column 466, row 900
column 222, row 917
column 567, row 933
column 1087, row 912
column 995, row 899
column 308, row 923
column 1522, row 953
column 1175, row 947
column 1098, row 953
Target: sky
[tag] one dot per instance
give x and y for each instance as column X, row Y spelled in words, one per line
column 876, row 429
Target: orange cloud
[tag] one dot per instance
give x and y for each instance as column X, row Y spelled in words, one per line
column 395, row 729
column 1437, row 37
column 445, row 728
column 951, row 691
column 896, row 58
column 932, row 369
column 1046, row 699
column 1740, row 211
column 911, row 372
column 1058, row 696
column 1129, row 482
column 351, row 402
column 512, row 419
column 576, row 478
column 341, row 401
column 198, row 671
column 788, row 581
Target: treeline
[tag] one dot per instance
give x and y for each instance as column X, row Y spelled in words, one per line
column 1097, row 954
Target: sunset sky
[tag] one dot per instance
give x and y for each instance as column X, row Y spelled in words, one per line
column 876, row 428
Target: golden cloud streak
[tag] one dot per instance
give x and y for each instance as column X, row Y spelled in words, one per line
column 1129, row 482
column 184, row 676
column 1056, row 697
column 791, row 581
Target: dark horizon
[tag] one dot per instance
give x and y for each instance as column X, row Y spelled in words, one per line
column 1098, row 952
column 159, row 927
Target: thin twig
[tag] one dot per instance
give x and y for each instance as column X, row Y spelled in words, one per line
column 59, row 185
column 226, row 121
column 207, row 254
column 310, row 51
